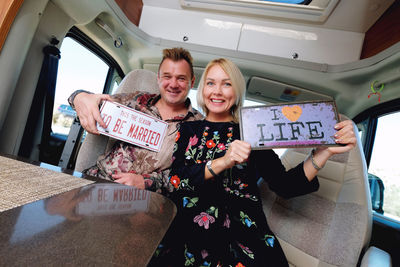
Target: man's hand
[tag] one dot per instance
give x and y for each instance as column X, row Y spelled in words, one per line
column 64, row 204
column 87, row 108
column 127, row 178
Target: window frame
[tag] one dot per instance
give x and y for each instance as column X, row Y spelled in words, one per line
column 70, row 144
column 89, row 44
column 288, row 11
column 370, row 118
column 113, row 66
column 304, row 2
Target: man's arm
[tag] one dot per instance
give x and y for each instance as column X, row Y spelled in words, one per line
column 159, row 182
column 86, row 106
column 156, row 181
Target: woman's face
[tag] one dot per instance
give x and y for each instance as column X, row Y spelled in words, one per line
column 218, row 94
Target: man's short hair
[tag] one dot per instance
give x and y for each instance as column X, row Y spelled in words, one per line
column 177, row 54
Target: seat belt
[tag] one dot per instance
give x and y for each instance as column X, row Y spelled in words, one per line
column 44, row 95
column 71, row 145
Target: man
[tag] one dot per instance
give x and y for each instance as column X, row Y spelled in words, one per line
column 129, row 164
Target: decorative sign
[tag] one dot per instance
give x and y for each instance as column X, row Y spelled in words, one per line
column 131, row 126
column 301, row 124
column 111, row 199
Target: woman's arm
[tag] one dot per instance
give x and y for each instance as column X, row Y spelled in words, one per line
column 345, row 135
column 287, row 184
column 300, row 179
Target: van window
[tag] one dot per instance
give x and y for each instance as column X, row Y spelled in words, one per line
column 114, row 88
column 299, row 2
column 78, row 68
column 384, row 167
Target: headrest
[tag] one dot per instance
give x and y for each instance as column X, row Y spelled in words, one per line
column 139, row 80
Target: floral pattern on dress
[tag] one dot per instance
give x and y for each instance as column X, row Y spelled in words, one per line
column 246, row 251
column 269, row 240
column 245, row 219
column 213, row 144
column 204, row 219
column 189, row 257
column 220, row 221
column 189, row 202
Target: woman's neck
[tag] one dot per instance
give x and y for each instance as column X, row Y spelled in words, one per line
column 219, row 117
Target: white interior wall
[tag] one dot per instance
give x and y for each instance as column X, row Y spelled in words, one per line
column 311, row 44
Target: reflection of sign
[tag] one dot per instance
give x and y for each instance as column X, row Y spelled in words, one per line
column 289, row 124
column 113, row 199
column 132, row 126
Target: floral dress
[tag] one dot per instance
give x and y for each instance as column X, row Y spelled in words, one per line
column 220, row 221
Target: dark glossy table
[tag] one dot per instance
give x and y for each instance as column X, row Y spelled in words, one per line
column 99, row 224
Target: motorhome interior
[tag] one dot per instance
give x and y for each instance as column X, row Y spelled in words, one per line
column 294, row 50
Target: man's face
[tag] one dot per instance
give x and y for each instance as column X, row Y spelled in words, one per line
column 174, row 80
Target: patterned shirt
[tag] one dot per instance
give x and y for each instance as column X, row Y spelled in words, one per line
column 125, row 157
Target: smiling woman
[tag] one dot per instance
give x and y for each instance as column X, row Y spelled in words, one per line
column 215, row 174
column 218, row 95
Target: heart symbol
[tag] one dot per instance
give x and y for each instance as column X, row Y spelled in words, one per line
column 292, row 113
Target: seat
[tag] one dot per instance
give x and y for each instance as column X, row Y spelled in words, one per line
column 330, row 227
column 95, row 145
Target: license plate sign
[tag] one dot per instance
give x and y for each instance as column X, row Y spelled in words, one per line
column 295, row 124
column 131, row 126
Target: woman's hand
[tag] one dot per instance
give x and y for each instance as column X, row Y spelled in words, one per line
column 128, row 178
column 345, row 135
column 238, row 152
column 87, row 109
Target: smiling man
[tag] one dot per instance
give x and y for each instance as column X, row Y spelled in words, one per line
column 129, row 164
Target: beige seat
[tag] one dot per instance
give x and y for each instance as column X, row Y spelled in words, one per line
column 331, row 227
column 95, row 145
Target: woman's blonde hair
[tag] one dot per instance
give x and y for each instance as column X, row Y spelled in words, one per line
column 237, row 80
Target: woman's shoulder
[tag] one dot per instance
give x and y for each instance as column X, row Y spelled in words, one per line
column 191, row 124
column 190, row 127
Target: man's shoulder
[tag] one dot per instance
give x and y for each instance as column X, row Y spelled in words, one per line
column 140, row 97
column 146, row 98
column 196, row 115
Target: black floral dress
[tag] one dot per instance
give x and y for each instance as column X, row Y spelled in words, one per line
column 220, row 222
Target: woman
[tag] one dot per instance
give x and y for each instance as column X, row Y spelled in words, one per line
column 220, row 220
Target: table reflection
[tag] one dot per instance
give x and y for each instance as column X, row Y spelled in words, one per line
column 102, row 224
column 102, row 200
